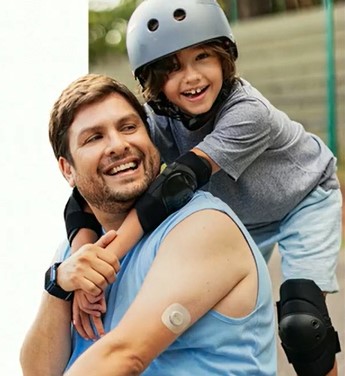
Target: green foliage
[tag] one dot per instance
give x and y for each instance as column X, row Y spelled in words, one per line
column 107, row 29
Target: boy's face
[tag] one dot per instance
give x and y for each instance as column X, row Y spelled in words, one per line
column 195, row 81
column 114, row 159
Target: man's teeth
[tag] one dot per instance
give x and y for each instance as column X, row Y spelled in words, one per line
column 122, row 167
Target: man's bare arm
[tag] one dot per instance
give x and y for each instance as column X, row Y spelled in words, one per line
column 203, row 256
column 47, row 345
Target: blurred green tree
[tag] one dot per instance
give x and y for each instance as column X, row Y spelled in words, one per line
column 107, row 29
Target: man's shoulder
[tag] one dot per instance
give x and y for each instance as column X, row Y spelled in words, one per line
column 207, row 199
column 201, row 201
column 63, row 251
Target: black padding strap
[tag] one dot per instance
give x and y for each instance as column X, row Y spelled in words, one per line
column 200, row 166
column 76, row 218
column 172, row 189
column 305, row 328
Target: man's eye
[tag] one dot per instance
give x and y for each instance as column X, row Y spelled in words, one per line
column 128, row 128
column 93, row 138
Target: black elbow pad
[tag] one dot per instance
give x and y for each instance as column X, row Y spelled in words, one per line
column 172, row 189
column 76, row 218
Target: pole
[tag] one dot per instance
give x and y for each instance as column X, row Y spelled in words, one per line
column 330, row 73
column 233, row 11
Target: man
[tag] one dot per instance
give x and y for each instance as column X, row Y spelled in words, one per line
column 192, row 297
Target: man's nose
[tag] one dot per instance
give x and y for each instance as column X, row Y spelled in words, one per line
column 116, row 144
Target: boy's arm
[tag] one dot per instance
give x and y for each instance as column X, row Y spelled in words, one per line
column 201, row 257
column 171, row 190
column 83, row 305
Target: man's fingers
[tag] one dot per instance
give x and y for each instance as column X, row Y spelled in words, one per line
column 92, row 283
column 110, row 258
column 107, row 273
column 101, row 274
column 92, row 263
column 94, row 278
column 107, row 238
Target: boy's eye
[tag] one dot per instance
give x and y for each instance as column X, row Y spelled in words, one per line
column 175, row 67
column 172, row 68
column 202, row 55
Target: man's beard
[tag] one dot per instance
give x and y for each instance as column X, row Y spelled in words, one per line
column 111, row 200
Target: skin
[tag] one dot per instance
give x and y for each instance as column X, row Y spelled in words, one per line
column 90, row 140
column 218, row 263
column 196, row 68
column 107, row 156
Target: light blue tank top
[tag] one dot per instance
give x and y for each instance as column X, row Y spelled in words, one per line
column 216, row 344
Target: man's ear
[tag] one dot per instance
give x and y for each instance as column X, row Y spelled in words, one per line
column 67, row 170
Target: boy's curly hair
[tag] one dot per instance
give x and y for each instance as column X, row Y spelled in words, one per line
column 154, row 75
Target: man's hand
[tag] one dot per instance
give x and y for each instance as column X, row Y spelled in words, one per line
column 91, row 268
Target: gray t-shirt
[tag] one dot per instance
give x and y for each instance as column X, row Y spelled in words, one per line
column 268, row 162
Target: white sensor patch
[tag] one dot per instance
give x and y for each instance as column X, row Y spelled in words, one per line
column 176, row 318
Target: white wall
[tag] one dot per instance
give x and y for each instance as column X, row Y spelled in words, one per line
column 43, row 47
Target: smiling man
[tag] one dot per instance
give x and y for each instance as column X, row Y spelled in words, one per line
column 191, row 297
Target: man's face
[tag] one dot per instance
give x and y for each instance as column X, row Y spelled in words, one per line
column 114, row 158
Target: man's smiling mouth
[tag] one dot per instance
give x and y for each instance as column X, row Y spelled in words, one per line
column 121, row 168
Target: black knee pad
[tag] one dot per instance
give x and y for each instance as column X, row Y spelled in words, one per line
column 305, row 328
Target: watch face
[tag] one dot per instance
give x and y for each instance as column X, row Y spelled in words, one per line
column 52, row 287
column 50, row 278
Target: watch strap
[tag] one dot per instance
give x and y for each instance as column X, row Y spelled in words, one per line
column 51, row 285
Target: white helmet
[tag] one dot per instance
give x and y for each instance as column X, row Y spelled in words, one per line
column 158, row 28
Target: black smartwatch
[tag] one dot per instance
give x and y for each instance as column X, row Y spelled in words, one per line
column 51, row 286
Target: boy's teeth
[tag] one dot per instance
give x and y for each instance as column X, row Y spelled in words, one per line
column 194, row 91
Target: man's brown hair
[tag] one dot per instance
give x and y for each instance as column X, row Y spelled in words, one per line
column 87, row 89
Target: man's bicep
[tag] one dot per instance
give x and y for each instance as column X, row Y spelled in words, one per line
column 188, row 277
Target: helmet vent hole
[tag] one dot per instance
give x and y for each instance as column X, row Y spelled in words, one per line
column 153, row 24
column 179, row 14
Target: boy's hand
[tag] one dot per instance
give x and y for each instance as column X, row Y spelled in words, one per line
column 93, row 305
column 84, row 313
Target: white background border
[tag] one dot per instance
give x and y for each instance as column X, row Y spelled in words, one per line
column 43, row 47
